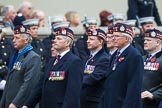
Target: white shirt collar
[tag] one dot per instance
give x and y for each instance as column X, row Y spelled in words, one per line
column 63, row 53
column 154, row 53
column 122, row 50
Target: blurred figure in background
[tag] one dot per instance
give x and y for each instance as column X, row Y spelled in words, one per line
column 18, row 19
column 143, row 8
column 39, row 14
column 146, row 23
column 26, row 9
column 9, row 13
column 115, row 18
column 73, row 17
column 103, row 18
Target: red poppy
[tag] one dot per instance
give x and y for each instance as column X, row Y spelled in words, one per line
column 153, row 60
column 121, row 59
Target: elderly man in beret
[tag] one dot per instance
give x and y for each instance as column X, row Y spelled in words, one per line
column 24, row 70
column 61, row 84
column 124, row 79
column 152, row 79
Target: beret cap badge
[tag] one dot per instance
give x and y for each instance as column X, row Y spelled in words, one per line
column 94, row 32
column 64, row 31
column 153, row 34
column 22, row 29
column 122, row 28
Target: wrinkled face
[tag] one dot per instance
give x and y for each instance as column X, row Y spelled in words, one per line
column 34, row 31
column 109, row 41
column 60, row 43
column 119, row 40
column 93, row 43
column 150, row 44
column 19, row 42
column 12, row 14
column 147, row 26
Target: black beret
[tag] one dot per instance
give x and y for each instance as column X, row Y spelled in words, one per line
column 123, row 28
column 21, row 29
column 153, row 33
column 96, row 32
column 64, row 31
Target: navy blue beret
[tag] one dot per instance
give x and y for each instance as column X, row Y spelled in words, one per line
column 64, row 32
column 21, row 29
column 96, row 32
column 153, row 33
column 123, row 28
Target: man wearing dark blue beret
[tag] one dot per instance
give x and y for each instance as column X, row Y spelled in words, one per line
column 95, row 70
column 124, row 79
column 151, row 87
column 61, row 84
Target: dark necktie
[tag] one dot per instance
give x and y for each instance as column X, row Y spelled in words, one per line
column 58, row 57
column 89, row 58
column 148, row 58
column 114, row 62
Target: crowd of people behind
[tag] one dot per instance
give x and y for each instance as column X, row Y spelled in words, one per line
column 116, row 68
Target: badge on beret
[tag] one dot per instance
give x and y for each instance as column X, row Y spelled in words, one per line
column 22, row 29
column 94, row 32
column 122, row 28
column 64, row 32
column 153, row 34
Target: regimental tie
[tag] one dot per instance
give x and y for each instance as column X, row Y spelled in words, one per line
column 58, row 57
column 89, row 58
column 115, row 60
column 148, row 58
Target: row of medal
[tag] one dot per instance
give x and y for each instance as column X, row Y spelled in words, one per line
column 56, row 75
column 17, row 66
column 151, row 66
column 89, row 69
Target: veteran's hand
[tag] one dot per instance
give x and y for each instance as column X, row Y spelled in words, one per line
column 12, row 106
column 24, row 107
column 146, row 94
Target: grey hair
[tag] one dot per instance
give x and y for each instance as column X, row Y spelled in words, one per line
column 27, row 36
column 130, row 37
column 6, row 9
column 69, row 39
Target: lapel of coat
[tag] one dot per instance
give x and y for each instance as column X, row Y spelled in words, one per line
column 124, row 54
column 62, row 61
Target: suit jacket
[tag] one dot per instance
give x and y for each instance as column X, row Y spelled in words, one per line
column 61, row 85
column 93, row 82
column 21, row 80
column 152, row 79
column 123, row 84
